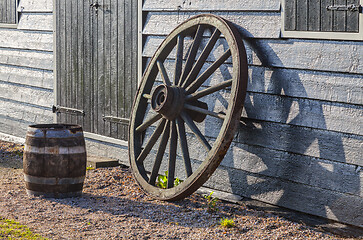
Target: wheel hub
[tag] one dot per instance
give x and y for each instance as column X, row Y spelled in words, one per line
column 168, row 101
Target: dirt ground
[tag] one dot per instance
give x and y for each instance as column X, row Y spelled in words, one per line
column 113, row 207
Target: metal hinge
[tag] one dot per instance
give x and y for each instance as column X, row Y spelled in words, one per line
column 73, row 111
column 116, row 119
column 351, row 8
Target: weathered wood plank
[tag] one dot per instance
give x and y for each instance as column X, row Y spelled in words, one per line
column 302, row 15
column 334, row 87
column 31, row 95
column 36, row 21
column 304, row 112
column 326, row 16
column 42, row 41
column 220, row 5
column 290, row 15
column 339, row 17
column 13, row 127
column 27, row 76
column 314, row 16
column 300, row 54
column 318, row 143
column 300, row 197
column 35, row 6
column 27, row 58
column 251, row 24
column 315, row 172
column 352, row 18
column 24, row 112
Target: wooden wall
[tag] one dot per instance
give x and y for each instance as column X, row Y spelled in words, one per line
column 301, row 145
column 26, row 69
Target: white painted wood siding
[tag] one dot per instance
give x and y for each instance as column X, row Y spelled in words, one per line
column 26, row 69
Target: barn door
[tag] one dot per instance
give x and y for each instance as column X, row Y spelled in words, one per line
column 96, row 64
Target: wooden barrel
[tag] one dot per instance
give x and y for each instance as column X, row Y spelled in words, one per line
column 54, row 160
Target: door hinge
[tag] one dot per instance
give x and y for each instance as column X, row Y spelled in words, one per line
column 116, row 119
column 73, row 111
column 351, row 8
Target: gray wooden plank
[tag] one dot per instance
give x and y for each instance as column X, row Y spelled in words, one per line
column 134, row 51
column 315, row 172
column 339, row 17
column 302, row 15
column 314, row 16
column 31, row 95
column 36, row 21
column 101, row 59
column 107, row 64
column 323, row 144
column 41, row 41
column 251, row 24
column 114, row 67
column 75, row 65
column 26, row 58
column 95, row 76
column 352, row 18
column 13, row 127
column 121, row 66
column 80, row 82
column 67, row 93
column 25, row 112
column 27, row 76
column 236, row 5
column 326, row 16
column 87, row 65
column 36, row 6
column 290, row 15
column 2, row 12
column 12, row 11
column 60, row 56
column 320, row 202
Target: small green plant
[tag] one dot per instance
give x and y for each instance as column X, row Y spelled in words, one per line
column 163, row 181
column 211, row 202
column 227, row 223
column 9, row 229
column 90, row 168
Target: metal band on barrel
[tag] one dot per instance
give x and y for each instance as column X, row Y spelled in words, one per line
column 54, row 150
column 52, row 180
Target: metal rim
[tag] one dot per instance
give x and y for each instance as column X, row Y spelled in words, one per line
column 176, row 105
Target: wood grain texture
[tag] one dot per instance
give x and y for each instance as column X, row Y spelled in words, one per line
column 26, row 58
column 251, row 24
column 26, row 94
column 27, row 76
column 189, row 5
column 320, row 202
column 36, row 6
column 313, row 54
column 36, row 21
column 40, row 41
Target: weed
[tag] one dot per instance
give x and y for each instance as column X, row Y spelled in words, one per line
column 163, row 181
column 90, row 168
column 227, row 223
column 14, row 230
column 211, row 202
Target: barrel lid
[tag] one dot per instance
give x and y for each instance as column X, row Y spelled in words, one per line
column 54, row 130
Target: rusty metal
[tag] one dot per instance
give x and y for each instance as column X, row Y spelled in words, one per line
column 174, row 125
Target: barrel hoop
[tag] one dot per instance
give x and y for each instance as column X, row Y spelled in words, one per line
column 52, row 180
column 54, row 150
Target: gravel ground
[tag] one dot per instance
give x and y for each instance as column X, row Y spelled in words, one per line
column 113, row 207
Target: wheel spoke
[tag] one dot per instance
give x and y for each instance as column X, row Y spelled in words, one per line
column 184, row 146
column 149, row 145
column 164, row 74
column 195, row 130
column 172, row 154
column 148, row 123
column 204, row 111
column 192, row 53
column 178, row 59
column 160, row 154
column 207, row 73
column 209, row 90
column 203, row 56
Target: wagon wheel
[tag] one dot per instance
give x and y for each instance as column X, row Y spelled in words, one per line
column 187, row 107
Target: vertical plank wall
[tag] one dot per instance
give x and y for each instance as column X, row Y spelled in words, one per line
column 26, row 69
column 302, row 144
column 7, row 12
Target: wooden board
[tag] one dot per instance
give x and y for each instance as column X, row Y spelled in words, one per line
column 36, row 21
column 41, row 41
column 26, row 58
column 36, row 6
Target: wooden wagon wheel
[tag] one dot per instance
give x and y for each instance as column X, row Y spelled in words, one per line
column 179, row 123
